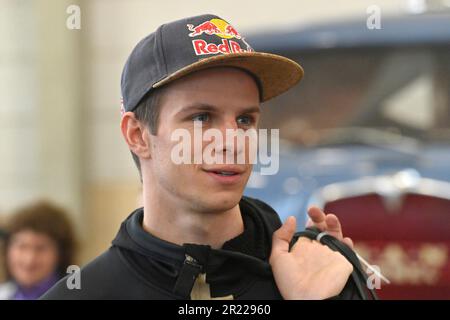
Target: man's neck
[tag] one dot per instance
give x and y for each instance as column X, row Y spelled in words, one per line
column 164, row 219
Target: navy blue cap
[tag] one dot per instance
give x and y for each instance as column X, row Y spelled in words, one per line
column 181, row 47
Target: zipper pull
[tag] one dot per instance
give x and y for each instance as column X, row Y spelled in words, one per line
column 187, row 276
column 190, row 260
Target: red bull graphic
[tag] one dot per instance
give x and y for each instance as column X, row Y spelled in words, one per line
column 229, row 30
column 222, row 29
column 216, row 27
column 206, row 27
column 202, row 47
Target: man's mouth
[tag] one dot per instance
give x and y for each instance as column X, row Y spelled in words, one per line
column 228, row 175
column 225, row 173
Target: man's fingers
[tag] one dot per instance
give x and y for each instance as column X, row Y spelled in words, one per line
column 316, row 218
column 283, row 236
column 300, row 244
column 333, row 226
column 327, row 222
column 348, row 242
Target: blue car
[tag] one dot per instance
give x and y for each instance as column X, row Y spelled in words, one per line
column 366, row 136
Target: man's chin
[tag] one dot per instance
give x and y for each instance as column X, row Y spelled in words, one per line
column 221, row 201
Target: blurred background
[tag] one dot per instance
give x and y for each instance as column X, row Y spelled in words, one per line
column 366, row 135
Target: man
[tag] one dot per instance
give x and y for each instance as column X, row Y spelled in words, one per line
column 197, row 237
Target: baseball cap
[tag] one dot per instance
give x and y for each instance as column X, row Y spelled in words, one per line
column 179, row 48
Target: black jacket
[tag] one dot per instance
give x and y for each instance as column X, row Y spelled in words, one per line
column 140, row 266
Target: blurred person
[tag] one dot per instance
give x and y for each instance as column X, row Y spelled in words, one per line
column 39, row 246
column 197, row 236
column 3, row 235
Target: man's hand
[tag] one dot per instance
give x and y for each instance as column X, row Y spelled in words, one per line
column 327, row 222
column 310, row 270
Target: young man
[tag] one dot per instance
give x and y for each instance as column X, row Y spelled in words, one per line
column 197, row 237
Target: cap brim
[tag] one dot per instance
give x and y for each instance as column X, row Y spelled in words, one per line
column 276, row 74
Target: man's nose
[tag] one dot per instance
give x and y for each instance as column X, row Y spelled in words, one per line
column 229, row 143
column 230, row 124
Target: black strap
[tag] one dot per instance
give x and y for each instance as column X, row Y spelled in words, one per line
column 358, row 276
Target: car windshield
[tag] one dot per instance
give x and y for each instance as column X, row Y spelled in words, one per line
column 375, row 96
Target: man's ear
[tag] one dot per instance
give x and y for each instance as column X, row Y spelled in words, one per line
column 136, row 135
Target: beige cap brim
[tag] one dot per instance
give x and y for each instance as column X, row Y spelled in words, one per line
column 276, row 74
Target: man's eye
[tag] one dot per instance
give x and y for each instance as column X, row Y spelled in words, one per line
column 201, row 117
column 245, row 120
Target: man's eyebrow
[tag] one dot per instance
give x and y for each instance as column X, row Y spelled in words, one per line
column 208, row 107
column 254, row 109
column 197, row 107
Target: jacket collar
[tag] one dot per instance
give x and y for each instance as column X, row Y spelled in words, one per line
column 234, row 268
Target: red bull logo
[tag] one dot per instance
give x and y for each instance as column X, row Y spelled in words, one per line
column 216, row 27
column 228, row 46
column 221, row 29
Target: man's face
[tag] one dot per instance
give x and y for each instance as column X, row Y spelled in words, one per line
column 219, row 98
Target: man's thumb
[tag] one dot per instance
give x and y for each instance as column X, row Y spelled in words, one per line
column 282, row 237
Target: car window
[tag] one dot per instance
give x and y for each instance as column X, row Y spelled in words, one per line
column 361, row 95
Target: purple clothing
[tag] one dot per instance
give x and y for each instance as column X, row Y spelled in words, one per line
column 35, row 291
